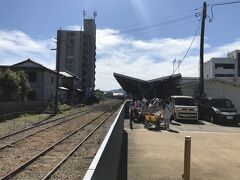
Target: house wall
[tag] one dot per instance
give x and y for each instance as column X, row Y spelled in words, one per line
column 37, row 86
column 49, row 87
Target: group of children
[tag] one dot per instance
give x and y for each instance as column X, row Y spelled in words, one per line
column 162, row 109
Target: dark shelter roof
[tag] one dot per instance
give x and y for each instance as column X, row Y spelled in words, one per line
column 161, row 87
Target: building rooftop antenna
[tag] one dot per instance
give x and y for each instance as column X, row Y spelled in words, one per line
column 94, row 15
column 84, row 14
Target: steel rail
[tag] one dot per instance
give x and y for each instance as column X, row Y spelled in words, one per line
column 21, row 167
column 76, row 147
column 34, row 133
column 66, row 119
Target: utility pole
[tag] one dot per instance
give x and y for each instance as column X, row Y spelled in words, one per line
column 57, row 69
column 201, row 80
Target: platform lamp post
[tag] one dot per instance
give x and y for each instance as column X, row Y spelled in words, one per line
column 57, row 69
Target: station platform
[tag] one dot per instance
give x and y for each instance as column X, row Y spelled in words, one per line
column 151, row 154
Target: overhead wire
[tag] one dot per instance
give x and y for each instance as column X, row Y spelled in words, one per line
column 198, row 28
column 156, row 20
column 165, row 24
column 190, row 46
column 162, row 23
column 158, row 29
column 220, row 4
column 161, row 29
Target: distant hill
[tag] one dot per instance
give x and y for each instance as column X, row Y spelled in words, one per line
column 117, row 90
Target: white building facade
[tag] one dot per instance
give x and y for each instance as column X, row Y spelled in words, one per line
column 224, row 68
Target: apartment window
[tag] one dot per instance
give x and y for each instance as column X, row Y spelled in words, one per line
column 70, row 41
column 69, row 62
column 32, row 76
column 71, row 34
column 52, row 79
column 224, row 75
column 224, row 66
column 69, row 67
column 70, row 50
column 84, row 73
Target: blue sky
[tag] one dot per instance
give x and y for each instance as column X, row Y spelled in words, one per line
column 139, row 38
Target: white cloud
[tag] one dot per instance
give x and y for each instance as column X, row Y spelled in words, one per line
column 16, row 46
column 149, row 59
column 144, row 59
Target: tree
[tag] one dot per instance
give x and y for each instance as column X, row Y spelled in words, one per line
column 14, row 84
column 10, row 84
column 99, row 95
column 23, row 84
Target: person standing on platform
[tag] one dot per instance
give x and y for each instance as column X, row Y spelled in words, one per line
column 167, row 113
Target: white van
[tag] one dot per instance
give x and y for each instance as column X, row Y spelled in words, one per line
column 184, row 108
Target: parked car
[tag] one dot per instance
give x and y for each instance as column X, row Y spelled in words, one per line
column 218, row 110
column 185, row 108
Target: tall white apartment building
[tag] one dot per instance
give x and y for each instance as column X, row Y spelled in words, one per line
column 78, row 54
column 225, row 68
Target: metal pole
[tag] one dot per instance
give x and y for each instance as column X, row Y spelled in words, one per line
column 187, row 158
column 201, row 80
column 174, row 61
column 57, row 69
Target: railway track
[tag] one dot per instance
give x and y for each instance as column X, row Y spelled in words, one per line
column 23, row 153
column 11, row 139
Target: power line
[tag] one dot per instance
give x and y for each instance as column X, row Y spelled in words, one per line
column 225, row 3
column 195, row 35
column 157, row 19
column 220, row 4
column 159, row 29
column 163, row 23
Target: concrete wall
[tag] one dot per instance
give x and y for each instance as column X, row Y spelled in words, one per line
column 12, row 109
column 105, row 163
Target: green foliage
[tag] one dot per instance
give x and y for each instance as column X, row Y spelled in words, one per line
column 99, row 95
column 61, row 107
column 13, row 85
column 50, row 107
column 23, row 84
column 10, row 84
column 95, row 98
column 64, row 107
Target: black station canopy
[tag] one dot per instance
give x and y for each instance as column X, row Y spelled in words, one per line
column 161, row 87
